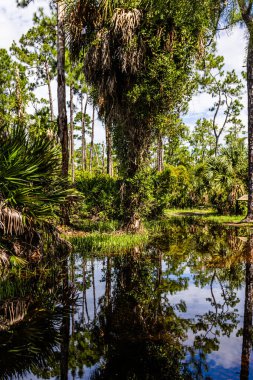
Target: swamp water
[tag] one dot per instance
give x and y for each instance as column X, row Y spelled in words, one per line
column 177, row 307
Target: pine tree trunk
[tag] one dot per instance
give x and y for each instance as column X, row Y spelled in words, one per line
column 92, row 139
column 49, row 92
column 96, row 152
column 250, row 128
column 19, row 101
column 160, row 153
column 108, row 137
column 84, row 157
column 72, row 148
column 103, row 158
column 245, row 9
column 61, row 89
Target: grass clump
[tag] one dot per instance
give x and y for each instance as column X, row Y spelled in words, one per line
column 109, row 243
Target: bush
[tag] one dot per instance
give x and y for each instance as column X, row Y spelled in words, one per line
column 171, row 189
column 220, row 184
column 101, row 195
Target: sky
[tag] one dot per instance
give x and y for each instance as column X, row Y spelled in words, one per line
column 232, row 45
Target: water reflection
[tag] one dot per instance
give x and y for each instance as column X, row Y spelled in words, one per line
column 179, row 309
column 138, row 326
column 248, row 308
column 32, row 310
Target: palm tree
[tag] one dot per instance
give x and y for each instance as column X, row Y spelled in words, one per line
column 139, row 68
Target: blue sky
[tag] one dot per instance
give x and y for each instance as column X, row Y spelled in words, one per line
column 231, row 44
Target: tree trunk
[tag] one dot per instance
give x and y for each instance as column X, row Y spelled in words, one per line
column 133, row 155
column 96, row 151
column 160, row 153
column 49, row 92
column 108, row 137
column 250, row 127
column 216, row 146
column 103, row 158
column 92, row 139
column 132, row 201
column 84, row 157
column 245, row 9
column 19, row 101
column 61, row 89
column 72, row 147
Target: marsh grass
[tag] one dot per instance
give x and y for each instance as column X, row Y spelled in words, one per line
column 109, row 243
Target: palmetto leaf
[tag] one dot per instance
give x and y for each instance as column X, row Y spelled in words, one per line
column 30, row 189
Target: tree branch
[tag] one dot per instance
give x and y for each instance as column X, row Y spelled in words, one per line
column 246, row 11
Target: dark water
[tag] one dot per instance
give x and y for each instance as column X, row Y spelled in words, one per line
column 178, row 308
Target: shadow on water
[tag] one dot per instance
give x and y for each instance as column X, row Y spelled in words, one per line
column 180, row 308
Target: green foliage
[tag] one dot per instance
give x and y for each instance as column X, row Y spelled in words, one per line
column 101, row 195
column 141, row 186
column 225, row 88
column 36, row 50
column 171, row 189
column 14, row 94
column 224, row 186
column 29, row 176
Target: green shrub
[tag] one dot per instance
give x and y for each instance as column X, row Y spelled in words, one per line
column 101, row 195
column 171, row 189
column 223, row 185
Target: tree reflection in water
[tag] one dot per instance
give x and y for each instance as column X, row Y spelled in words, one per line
column 138, row 327
column 133, row 316
column 248, row 308
column 32, row 311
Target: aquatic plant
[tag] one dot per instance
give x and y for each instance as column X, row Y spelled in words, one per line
column 97, row 243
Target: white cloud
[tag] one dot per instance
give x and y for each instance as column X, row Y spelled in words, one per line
column 15, row 21
column 232, row 46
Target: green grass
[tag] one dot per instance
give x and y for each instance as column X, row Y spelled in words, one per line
column 204, row 214
column 109, row 243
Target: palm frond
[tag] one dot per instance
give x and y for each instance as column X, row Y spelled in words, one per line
column 11, row 221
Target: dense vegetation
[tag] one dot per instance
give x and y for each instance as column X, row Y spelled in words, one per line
column 134, row 65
